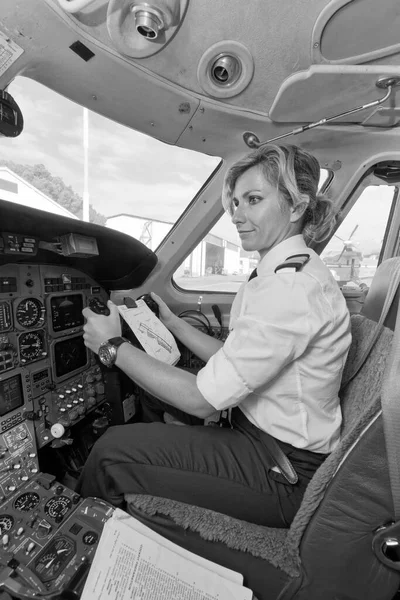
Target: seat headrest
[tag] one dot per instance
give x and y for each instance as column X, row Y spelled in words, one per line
column 387, row 275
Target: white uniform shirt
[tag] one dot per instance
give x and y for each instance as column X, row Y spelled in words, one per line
column 283, row 359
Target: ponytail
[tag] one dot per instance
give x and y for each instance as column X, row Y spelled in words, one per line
column 319, row 219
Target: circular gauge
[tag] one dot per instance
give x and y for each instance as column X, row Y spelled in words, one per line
column 6, row 522
column 30, row 312
column 31, row 345
column 57, row 507
column 27, row 501
column 54, row 558
column 90, row 537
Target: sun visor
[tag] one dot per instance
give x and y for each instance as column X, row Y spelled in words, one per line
column 122, row 262
column 326, row 90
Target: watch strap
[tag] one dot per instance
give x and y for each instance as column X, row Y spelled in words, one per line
column 117, row 341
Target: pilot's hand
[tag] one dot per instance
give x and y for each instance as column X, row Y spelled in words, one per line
column 100, row 328
column 165, row 314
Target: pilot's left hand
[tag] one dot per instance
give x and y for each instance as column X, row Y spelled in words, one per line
column 100, row 328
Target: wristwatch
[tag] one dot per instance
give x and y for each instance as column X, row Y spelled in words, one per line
column 108, row 350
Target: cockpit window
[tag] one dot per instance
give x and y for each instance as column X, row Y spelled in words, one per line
column 219, row 263
column 354, row 250
column 72, row 161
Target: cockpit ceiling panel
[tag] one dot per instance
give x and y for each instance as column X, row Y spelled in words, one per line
column 354, row 31
column 277, row 35
column 326, row 90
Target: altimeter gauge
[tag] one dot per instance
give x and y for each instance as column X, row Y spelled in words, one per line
column 30, row 313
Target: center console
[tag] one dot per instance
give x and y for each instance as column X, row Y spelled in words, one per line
column 48, row 540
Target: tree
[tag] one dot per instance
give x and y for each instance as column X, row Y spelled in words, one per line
column 55, row 188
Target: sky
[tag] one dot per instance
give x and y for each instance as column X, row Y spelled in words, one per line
column 128, row 171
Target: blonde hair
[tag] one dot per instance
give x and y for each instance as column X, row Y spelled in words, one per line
column 295, row 173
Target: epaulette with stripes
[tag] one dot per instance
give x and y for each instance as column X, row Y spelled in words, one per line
column 293, row 263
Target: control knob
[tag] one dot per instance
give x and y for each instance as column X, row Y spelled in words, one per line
column 57, row 430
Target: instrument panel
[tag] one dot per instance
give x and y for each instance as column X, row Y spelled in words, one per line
column 38, row 306
column 49, row 381
column 41, row 317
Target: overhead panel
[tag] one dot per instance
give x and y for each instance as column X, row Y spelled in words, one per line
column 216, row 50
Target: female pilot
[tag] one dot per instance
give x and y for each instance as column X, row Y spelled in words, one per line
column 279, row 369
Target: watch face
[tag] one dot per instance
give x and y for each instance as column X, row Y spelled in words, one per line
column 107, row 354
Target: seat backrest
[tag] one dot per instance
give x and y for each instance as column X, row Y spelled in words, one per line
column 370, row 336
column 374, row 302
column 350, row 495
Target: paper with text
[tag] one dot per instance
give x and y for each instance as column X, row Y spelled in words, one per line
column 154, row 337
column 128, row 565
column 136, row 525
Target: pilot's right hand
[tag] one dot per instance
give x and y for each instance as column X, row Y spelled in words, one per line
column 165, row 314
column 100, row 328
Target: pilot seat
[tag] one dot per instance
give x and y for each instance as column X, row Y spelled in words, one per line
column 344, row 541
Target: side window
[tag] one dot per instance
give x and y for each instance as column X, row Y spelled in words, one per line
column 353, row 252
column 218, row 263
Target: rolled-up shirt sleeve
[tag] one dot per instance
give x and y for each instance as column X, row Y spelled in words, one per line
column 276, row 327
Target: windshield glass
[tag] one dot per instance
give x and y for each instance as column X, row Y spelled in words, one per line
column 66, row 154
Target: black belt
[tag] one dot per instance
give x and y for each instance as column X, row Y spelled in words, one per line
column 275, row 453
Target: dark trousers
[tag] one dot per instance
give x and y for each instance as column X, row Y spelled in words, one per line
column 152, row 410
column 223, row 469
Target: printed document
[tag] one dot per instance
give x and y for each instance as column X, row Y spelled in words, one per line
column 154, row 337
column 134, row 563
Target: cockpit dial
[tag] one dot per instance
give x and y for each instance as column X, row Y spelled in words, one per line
column 55, row 556
column 57, row 507
column 27, row 501
column 31, row 346
column 90, row 538
column 30, row 313
column 6, row 523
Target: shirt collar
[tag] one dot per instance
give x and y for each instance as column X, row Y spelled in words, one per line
column 279, row 253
